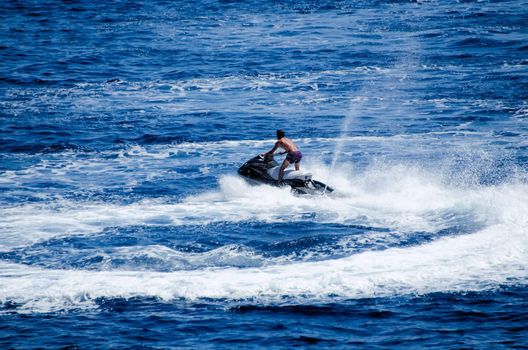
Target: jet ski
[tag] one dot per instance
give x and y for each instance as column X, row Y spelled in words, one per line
column 265, row 170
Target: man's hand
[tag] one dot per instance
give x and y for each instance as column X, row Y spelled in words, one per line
column 267, row 155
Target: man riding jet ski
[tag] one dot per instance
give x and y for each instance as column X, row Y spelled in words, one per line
column 263, row 169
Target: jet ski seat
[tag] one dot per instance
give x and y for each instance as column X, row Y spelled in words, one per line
column 290, row 174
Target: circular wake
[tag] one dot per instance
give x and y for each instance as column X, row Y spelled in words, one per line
column 489, row 249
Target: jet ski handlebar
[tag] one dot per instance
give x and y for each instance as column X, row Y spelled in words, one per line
column 266, row 157
column 270, row 156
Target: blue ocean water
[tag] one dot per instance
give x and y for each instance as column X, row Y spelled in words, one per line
column 123, row 222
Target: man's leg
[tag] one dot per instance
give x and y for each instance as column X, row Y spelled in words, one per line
column 298, row 166
column 282, row 168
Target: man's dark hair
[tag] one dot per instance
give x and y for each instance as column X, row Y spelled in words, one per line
column 280, row 134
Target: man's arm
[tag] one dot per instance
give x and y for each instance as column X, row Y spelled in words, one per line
column 270, row 152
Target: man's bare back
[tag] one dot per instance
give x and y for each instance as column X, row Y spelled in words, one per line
column 294, row 155
column 287, row 144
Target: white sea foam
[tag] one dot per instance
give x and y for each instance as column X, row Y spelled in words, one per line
column 401, row 198
column 493, row 256
column 166, row 259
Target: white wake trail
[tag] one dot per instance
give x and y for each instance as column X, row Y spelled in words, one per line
column 400, row 198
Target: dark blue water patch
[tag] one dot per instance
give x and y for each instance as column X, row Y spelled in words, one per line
column 478, row 42
column 10, row 163
column 453, row 321
column 170, row 248
column 138, row 55
column 253, row 242
column 105, row 132
column 165, row 187
column 13, row 146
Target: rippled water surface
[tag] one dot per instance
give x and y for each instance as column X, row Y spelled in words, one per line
column 123, row 222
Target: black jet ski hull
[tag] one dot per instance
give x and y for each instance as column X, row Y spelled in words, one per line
column 256, row 171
